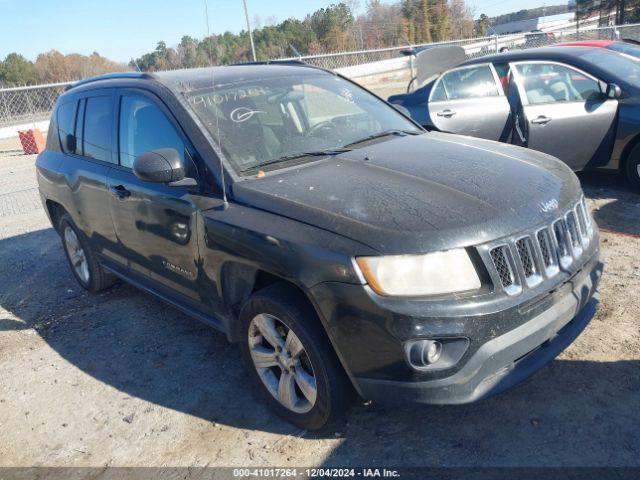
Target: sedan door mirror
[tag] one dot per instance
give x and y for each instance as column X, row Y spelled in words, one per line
column 613, row 91
column 164, row 165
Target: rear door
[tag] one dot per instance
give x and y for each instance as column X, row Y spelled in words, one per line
column 566, row 115
column 155, row 223
column 85, row 138
column 471, row 101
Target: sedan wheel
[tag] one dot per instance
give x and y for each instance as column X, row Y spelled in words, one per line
column 282, row 363
column 76, row 254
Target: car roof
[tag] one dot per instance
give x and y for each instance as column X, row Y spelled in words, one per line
column 551, row 53
column 185, row 80
column 587, row 43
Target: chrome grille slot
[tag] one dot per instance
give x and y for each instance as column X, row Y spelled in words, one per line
column 548, row 252
column 526, row 258
column 587, row 217
column 582, row 220
column 500, row 258
column 526, row 254
column 562, row 242
column 574, row 236
column 545, row 247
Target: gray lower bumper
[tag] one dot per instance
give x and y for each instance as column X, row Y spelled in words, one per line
column 505, row 360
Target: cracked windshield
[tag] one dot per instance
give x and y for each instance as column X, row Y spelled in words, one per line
column 270, row 121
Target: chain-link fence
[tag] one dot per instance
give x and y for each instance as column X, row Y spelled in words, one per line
column 23, row 105
column 26, row 105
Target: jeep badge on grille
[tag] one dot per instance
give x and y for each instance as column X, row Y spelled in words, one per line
column 548, row 206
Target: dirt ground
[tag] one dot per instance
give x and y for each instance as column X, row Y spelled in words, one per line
column 120, row 379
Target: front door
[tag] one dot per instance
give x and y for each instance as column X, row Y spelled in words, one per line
column 470, row 101
column 566, row 115
column 155, row 223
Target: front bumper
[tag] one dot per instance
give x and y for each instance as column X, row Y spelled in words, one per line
column 506, row 346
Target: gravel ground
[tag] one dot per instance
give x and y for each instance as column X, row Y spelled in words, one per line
column 119, row 379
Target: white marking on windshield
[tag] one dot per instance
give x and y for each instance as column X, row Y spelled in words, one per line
column 242, row 114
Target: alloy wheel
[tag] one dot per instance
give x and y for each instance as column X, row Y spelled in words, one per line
column 282, row 363
column 76, row 254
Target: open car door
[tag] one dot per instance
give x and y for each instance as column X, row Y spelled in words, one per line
column 470, row 100
column 565, row 113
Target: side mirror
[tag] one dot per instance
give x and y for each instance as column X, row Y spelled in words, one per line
column 402, row 109
column 613, row 91
column 163, row 165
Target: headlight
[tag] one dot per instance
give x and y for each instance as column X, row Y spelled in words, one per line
column 419, row 275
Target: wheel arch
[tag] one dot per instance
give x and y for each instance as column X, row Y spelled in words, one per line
column 626, row 152
column 239, row 281
column 55, row 211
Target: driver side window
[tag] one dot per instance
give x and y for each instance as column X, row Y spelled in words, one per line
column 551, row 83
column 144, row 127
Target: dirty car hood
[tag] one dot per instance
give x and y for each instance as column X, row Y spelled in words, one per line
column 419, row 193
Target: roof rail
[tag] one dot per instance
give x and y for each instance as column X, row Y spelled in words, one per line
column 291, row 62
column 108, row 76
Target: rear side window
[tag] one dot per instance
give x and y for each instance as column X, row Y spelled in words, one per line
column 96, row 135
column 471, row 82
column 144, row 127
column 66, row 117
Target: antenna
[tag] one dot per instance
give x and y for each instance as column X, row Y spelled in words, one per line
column 213, row 90
column 136, row 64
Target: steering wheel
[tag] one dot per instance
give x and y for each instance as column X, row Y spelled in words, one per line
column 327, row 127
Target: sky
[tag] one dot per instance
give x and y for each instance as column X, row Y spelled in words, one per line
column 123, row 29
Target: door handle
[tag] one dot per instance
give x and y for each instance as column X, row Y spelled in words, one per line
column 120, row 191
column 446, row 113
column 541, row 120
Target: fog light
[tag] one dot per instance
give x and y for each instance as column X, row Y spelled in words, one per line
column 432, row 351
column 432, row 354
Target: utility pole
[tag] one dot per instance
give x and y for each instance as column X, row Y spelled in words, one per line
column 246, row 15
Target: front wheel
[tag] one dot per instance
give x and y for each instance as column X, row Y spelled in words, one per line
column 291, row 360
column 83, row 262
column 633, row 167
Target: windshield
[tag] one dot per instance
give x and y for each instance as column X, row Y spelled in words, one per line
column 269, row 121
column 625, row 68
column 628, row 48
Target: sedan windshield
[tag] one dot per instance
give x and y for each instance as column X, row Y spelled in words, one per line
column 626, row 68
column 626, row 48
column 277, row 120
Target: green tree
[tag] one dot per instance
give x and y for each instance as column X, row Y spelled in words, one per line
column 17, row 70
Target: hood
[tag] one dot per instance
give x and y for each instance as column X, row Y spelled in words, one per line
column 418, row 194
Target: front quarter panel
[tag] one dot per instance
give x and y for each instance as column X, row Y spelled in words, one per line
column 240, row 239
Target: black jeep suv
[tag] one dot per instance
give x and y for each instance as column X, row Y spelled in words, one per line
column 328, row 234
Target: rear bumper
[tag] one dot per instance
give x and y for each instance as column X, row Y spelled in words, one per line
column 505, row 360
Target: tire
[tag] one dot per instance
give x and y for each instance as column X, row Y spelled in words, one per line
column 281, row 307
column 633, row 167
column 82, row 261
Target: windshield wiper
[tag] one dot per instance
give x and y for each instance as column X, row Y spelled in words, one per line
column 315, row 153
column 385, row 133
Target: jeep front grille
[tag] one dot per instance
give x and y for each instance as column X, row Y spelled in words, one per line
column 527, row 260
